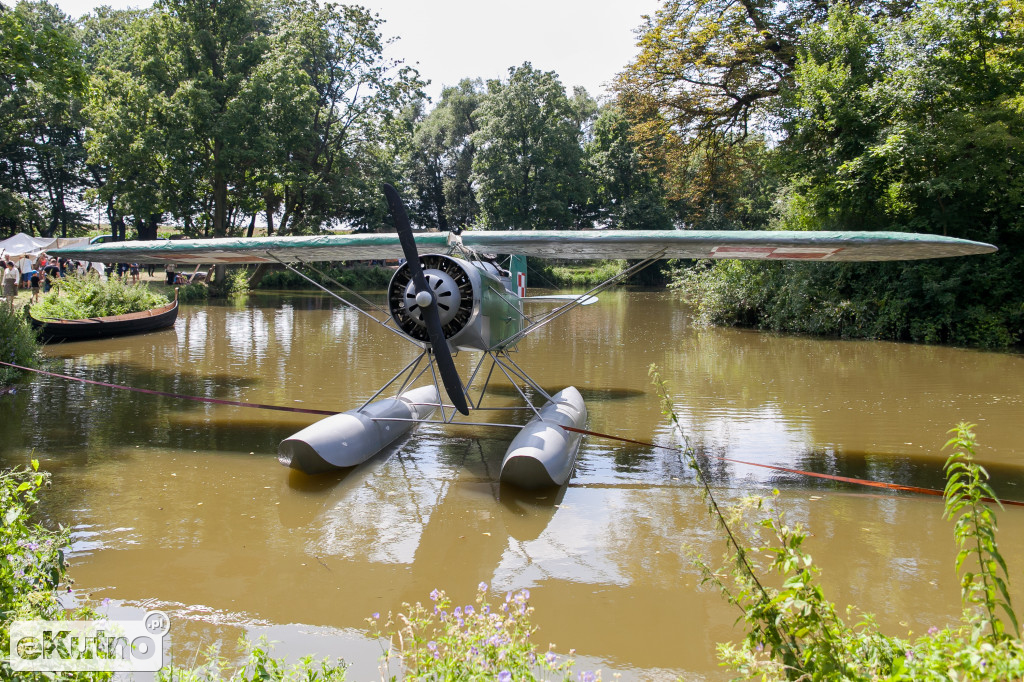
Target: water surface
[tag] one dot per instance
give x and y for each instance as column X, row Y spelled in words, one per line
column 183, row 505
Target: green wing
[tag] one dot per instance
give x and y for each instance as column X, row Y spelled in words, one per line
column 593, row 244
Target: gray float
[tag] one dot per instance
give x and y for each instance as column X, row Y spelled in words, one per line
column 543, row 454
column 350, row 438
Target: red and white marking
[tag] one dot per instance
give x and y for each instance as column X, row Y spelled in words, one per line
column 773, row 252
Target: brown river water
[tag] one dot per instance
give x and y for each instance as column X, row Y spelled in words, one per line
column 183, row 506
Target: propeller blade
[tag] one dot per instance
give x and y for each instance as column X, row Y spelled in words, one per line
column 435, row 331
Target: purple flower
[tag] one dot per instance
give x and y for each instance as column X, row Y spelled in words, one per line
column 933, row 630
column 587, row 676
column 482, row 587
column 376, row 615
column 525, row 594
column 434, row 595
column 550, row 657
column 106, row 600
column 457, row 611
column 504, row 676
column 432, row 645
column 469, row 610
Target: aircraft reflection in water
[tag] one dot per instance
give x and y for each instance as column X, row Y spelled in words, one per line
column 159, row 487
column 458, row 298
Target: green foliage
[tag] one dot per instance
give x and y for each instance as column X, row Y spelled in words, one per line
column 360, row 277
column 196, row 292
column 259, row 666
column 440, row 162
column 237, row 282
column 545, row 273
column 470, row 642
column 18, row 344
column 793, row 630
column 42, row 86
column 967, row 493
column 529, row 159
column 964, row 302
column 626, row 194
column 34, row 566
column 76, row 298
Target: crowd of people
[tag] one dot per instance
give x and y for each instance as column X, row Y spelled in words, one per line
column 38, row 274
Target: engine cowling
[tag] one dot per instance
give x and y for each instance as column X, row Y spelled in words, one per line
column 451, row 285
column 476, row 308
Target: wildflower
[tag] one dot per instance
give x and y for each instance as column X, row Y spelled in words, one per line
column 504, row 676
column 587, row 676
column 376, row 615
column 106, row 601
column 457, row 611
column 435, row 595
column 525, row 594
column 432, row 645
column 933, row 630
column 469, row 611
column 482, row 587
column 550, row 657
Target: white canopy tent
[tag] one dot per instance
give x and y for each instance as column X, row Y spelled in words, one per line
column 21, row 243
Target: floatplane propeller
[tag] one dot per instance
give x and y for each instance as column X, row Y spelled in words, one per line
column 423, row 296
column 456, row 297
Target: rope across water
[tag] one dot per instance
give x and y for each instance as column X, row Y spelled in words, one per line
column 596, row 434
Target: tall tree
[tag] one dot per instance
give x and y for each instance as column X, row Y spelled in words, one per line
column 529, row 160
column 627, row 195
column 709, row 74
column 441, row 159
column 42, row 82
column 335, row 154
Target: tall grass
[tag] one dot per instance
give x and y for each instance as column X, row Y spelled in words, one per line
column 18, row 344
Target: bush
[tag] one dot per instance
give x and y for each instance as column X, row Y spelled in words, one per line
column 920, row 301
column 542, row 273
column 360, row 277
column 34, row 567
column 470, row 642
column 193, row 293
column 18, row 344
column 76, row 298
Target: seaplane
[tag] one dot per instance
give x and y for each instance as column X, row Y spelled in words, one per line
column 453, row 293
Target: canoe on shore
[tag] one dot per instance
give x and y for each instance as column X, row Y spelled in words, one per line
column 55, row 330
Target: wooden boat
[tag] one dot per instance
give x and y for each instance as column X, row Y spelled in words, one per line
column 54, row 330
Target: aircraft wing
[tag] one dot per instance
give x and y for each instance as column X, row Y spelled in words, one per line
column 571, row 244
